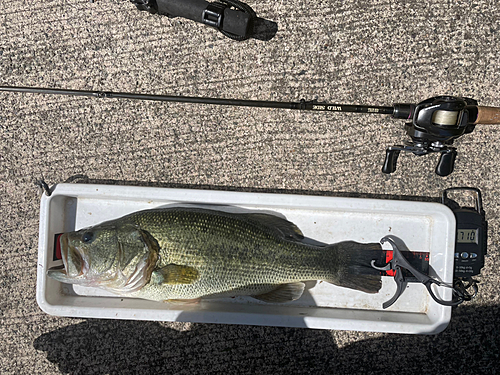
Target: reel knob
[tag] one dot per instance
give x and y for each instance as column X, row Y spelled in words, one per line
column 446, row 163
column 391, row 159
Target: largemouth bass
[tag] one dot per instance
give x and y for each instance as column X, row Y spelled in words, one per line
column 181, row 254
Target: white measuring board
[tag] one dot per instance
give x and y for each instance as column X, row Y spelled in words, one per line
column 423, row 226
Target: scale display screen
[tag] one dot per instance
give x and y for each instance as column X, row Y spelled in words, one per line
column 467, row 236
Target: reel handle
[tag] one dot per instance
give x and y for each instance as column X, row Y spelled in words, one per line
column 390, row 162
column 446, row 163
column 488, row 115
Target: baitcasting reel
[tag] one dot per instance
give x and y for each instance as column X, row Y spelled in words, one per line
column 435, row 124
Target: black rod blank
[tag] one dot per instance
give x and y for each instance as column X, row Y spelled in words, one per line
column 302, row 105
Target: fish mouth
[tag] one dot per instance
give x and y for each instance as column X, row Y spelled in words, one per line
column 61, row 272
column 63, row 245
column 60, row 268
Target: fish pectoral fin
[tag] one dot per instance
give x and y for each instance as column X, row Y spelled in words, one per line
column 174, row 274
column 283, row 293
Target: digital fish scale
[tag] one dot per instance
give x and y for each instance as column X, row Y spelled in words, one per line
column 472, row 234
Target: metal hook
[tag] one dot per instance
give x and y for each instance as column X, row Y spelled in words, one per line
column 43, row 185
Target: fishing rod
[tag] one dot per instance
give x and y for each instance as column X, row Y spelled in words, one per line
column 432, row 124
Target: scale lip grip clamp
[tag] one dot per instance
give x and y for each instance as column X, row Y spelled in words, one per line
column 399, row 262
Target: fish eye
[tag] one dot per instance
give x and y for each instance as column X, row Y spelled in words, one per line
column 88, row 237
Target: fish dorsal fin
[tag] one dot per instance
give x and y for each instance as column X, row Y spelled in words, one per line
column 174, row 274
column 283, row 293
column 279, row 225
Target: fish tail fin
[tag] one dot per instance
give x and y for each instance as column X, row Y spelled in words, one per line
column 355, row 270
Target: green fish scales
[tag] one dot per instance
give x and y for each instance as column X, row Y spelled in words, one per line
column 243, row 255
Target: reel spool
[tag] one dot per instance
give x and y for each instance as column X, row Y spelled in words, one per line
column 436, row 123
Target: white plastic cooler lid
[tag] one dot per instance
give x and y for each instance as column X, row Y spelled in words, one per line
column 423, row 226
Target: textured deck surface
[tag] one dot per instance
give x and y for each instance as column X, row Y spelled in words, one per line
column 366, row 52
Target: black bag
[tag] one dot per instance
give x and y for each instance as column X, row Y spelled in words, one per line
column 233, row 18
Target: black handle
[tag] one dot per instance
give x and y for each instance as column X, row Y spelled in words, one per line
column 446, row 163
column 391, row 159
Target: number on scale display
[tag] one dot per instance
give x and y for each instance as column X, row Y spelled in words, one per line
column 467, row 236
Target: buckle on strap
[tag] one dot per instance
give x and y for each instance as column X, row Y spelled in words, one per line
column 213, row 14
